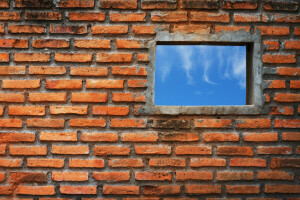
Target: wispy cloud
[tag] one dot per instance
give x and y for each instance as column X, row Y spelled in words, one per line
column 165, row 67
column 185, row 53
column 206, row 54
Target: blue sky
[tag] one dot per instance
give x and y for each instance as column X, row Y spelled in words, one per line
column 200, row 75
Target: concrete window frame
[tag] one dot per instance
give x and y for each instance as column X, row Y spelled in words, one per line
column 254, row 89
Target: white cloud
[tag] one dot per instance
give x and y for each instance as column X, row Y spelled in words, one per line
column 185, row 53
column 165, row 67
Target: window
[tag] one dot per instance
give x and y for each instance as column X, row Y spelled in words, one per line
column 253, row 97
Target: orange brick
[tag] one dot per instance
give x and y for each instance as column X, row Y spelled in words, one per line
column 279, row 58
column 287, row 97
column 137, row 83
column 220, row 137
column 209, row 17
column 63, row 137
column 127, row 17
column 282, row 110
column 87, row 122
column 74, row 57
column 291, row 136
column 193, row 175
column 89, row 97
column 21, row 84
column 129, row 97
column 247, row 162
column 78, row 189
column 13, row 43
column 274, row 150
column 139, row 137
column 271, row 45
column 169, row 17
column 130, row 71
column 143, row 57
column 131, row 44
column 2, row 29
column 110, row 150
column 10, row 162
column 11, row 16
column 16, row 137
column 295, row 84
column 119, row 4
column 32, row 57
column 192, row 150
column 120, row 29
column 287, row 123
column 128, row 123
column 64, row 84
column 46, row 123
column 167, row 162
column 76, row 150
column 239, row 5
column 158, row 5
column 70, row 176
column 291, row 189
column 271, row 30
column 99, row 137
column 104, row 83
column 53, row 163
column 11, row 123
column 50, row 16
column 92, row 44
column 200, row 29
column 275, row 83
column 78, row 110
column 86, row 163
column 158, row 150
column 89, row 71
column 12, row 70
column 4, row 4
column 180, row 137
column 27, row 110
column 203, row 189
column 153, row 176
column 35, row 190
column 33, row 29
column 207, row 162
column 292, row 44
column 111, row 176
column 114, row 57
column 213, row 123
column 110, row 110
column 297, row 31
column 47, row 70
column 50, row 43
column 1, row 111
column 4, row 57
column 242, row 189
column 86, row 16
column 284, row 163
column 250, row 18
column 235, row 176
column 6, row 190
column 147, row 29
column 219, row 29
column 274, row 175
column 28, row 150
column 261, row 137
column 232, row 150
column 76, row 4
column 47, row 97
column 121, row 190
column 253, row 123
column 63, row 29
column 130, row 162
column 161, row 190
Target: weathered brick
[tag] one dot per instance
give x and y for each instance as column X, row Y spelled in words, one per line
column 119, row 4
column 250, row 18
column 99, row 137
column 193, row 175
column 2, row 152
column 280, row 5
column 180, row 137
column 104, row 83
column 33, row 4
column 11, row 123
column 70, row 176
column 4, row 57
column 213, row 123
column 247, row 162
column 120, row 29
column 282, row 189
column 274, row 175
column 89, row 71
column 28, row 150
column 62, row 137
column 47, row 70
column 161, row 190
column 139, row 137
column 209, row 17
column 167, row 162
column 89, row 97
column 207, row 162
column 63, row 29
column 169, row 17
column 274, row 150
column 287, row 97
column 45, row 123
column 50, row 43
column 12, row 70
column 253, row 123
column 130, row 162
column 128, row 123
column 260, row 137
column 130, row 71
column 27, row 110
column 21, row 84
column 200, row 4
column 121, row 190
column 78, row 190
column 76, row 150
column 27, row 177
column 4, row 4
column 51, row 16
column 87, row 122
column 147, row 29
column 203, row 189
column 59, row 110
column 13, row 43
column 282, row 110
column 153, row 176
column 86, row 163
column 235, row 176
column 272, row 30
column 200, row 29
column 35, row 190
column 291, row 136
column 240, row 5
column 127, row 17
column 111, row 176
column 129, row 97
column 110, row 150
column 74, row 57
column 287, row 123
column 10, row 162
column 275, row 83
column 131, row 44
column 76, row 4
column 86, row 16
column 47, row 97
column 159, row 5
column 110, row 110
column 295, row 84
column 64, row 84
column 192, row 150
column 11, row 16
column 16, row 137
column 284, row 163
column 220, row 137
column 33, row 29
column 271, row 45
column 242, row 189
column 151, row 150
column 279, row 58
column 114, row 57
column 52, row 163
column 92, row 44
column 32, row 57
column 219, row 29
column 232, row 150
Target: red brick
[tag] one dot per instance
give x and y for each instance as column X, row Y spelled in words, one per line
column 86, row 16
column 267, row 98
column 167, row 162
column 192, row 150
column 286, row 189
column 284, row 163
column 274, row 175
column 200, row 29
column 63, row 29
column 78, row 110
column 209, row 17
column 287, row 97
column 27, row 177
column 6, row 190
column 250, row 18
column 78, row 189
column 12, row 70
column 158, row 5
column 47, row 70
column 50, row 43
column 232, row 150
column 34, row 29
column 137, row 83
column 207, row 162
column 87, row 122
column 35, row 190
column 1, row 111
column 153, row 176
column 139, row 137
column 73, row 57
column 76, row 4
column 219, row 29
column 4, row 4
column 235, row 176
column 63, row 136
column 11, row 123
column 148, row 150
column 147, row 29
column 282, row 110
column 280, row 5
column 76, row 150
column 127, row 17
column 99, row 137
column 70, row 176
column 111, row 150
column 27, row 110
column 253, row 123
column 279, row 58
column 28, row 150
column 297, row 31
column 118, row 29
column 89, row 71
column 239, row 5
column 111, row 176
column 92, row 44
column 10, row 162
column 32, row 57
column 16, row 137
column 203, row 189
column 119, row 4
column 131, row 44
column 11, row 16
column 13, row 43
column 86, row 163
column 53, row 163
column 274, row 150
column 161, row 190
column 287, row 123
column 49, row 16
column 45, row 123
column 271, row 45
column 247, row 162
column 261, row 137
column 4, row 57
column 89, row 97
column 21, row 84
column 213, row 123
column 295, row 84
column 130, row 71
column 220, row 137
column 2, row 152
column 291, row 136
column 128, row 123
column 64, row 84
column 275, row 83
column 272, row 30
column 169, row 17
column 2, row 29
column 242, row 189
column 130, row 162
column 286, row 18
column 47, row 97
column 121, row 190
column 110, row 110
column 114, row 57
column 33, row 4
column 193, row 175
column 129, row 97
column 104, row 83
column 292, row 44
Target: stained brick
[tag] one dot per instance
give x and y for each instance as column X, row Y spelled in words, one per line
column 110, row 150
column 86, row 16
column 235, row 176
column 92, row 44
column 153, row 176
column 47, row 70
column 11, row 16
column 63, row 29
column 119, row 4
column 63, row 136
column 167, row 162
column 76, row 150
column 13, row 43
column 51, row 16
column 261, row 137
column 161, row 190
column 121, row 190
column 33, row 29
column 50, row 43
column 89, row 71
column 76, row 4
column 193, row 175
column 209, row 17
column 203, row 189
column 220, row 137
column 159, row 4
column 111, row 176
column 78, row 190
column 274, row 150
column 169, row 17
column 121, row 29
column 127, row 17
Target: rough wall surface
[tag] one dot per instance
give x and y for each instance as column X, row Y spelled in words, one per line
column 74, row 72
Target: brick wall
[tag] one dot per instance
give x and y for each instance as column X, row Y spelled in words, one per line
column 74, row 71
